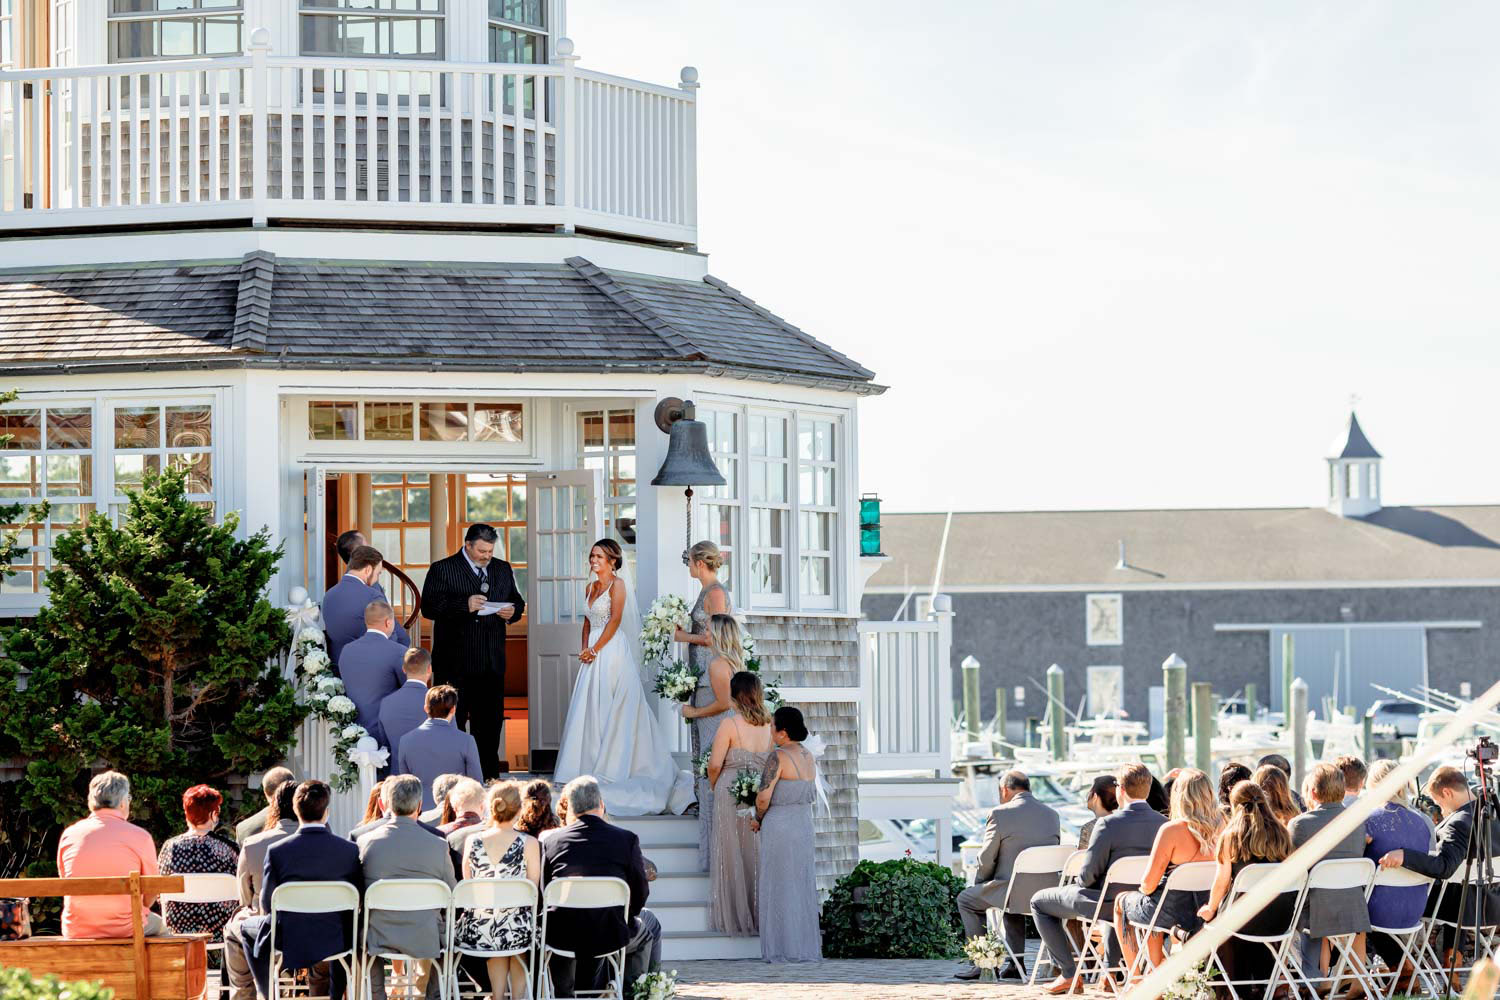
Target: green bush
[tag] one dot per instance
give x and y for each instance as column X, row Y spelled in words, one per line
column 17, row 984
column 894, row 909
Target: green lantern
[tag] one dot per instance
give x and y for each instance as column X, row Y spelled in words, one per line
column 869, row 525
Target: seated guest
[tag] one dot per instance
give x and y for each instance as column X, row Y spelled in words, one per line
column 499, row 850
column 379, row 813
column 370, row 667
column 1354, row 776
column 1394, row 827
column 1124, row 834
column 592, row 846
column 344, row 604
column 281, row 823
column 564, row 816
column 1283, row 765
column 402, row 849
column 374, row 810
column 1157, row 797
column 1328, row 911
column 1101, row 801
column 199, row 852
column 1166, row 782
column 105, row 844
column 1018, row 822
column 1190, row 834
column 536, row 809
column 468, row 805
column 441, row 786
column 404, row 709
column 1278, row 791
column 312, row 854
column 256, row 823
column 1232, row 774
column 437, row 746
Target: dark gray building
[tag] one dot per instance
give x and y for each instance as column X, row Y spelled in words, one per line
column 1398, row 596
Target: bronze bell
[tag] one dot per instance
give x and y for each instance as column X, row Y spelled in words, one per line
column 688, row 461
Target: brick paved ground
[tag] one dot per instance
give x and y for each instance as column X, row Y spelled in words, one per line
column 854, row 979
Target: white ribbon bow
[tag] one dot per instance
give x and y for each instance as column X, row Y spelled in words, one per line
column 815, row 746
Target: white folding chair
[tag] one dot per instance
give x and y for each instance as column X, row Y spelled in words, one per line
column 1031, row 861
column 1409, row 938
column 1071, row 869
column 1483, row 947
column 1343, row 873
column 1194, row 876
column 1278, row 944
column 490, row 894
column 581, row 893
column 314, row 897
column 204, row 887
column 1124, row 873
column 405, row 895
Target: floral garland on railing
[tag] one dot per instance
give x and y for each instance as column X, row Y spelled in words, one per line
column 323, row 693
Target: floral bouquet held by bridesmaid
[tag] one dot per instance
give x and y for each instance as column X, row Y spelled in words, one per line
column 676, row 681
column 745, row 788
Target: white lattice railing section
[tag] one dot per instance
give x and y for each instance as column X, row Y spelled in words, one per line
column 906, row 693
column 257, row 137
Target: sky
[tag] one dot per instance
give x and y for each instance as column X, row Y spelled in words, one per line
column 1110, row 255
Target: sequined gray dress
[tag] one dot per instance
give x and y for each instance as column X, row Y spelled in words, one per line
column 788, row 887
column 704, row 729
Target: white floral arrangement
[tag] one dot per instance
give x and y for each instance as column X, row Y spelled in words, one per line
column 745, row 787
column 676, row 680
column 700, row 763
column 655, row 986
column 666, row 615
column 323, row 693
column 770, row 686
column 1195, row 984
column 985, row 951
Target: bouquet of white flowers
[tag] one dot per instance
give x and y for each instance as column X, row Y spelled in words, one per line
column 666, row 615
column 745, row 787
column 1195, row 984
column 314, row 660
column 655, row 986
column 986, row 951
column 677, row 681
column 341, row 705
column 700, row 763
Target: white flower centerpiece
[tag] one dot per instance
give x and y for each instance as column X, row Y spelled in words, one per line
column 323, row 693
column 654, row 986
column 1195, row 984
column 986, row 951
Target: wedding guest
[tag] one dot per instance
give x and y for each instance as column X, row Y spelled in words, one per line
column 590, row 846
column 1278, row 791
column 380, row 814
column 374, row 807
column 1355, row 772
column 565, row 816
column 1328, row 912
column 788, row 886
column 344, row 604
column 198, row 851
column 370, row 667
column 1252, row 836
column 441, row 786
column 1101, row 801
column 257, row 822
column 1394, row 827
column 1230, row 775
column 742, row 743
column 536, row 815
column 404, row 709
column 347, row 542
column 105, row 844
column 468, row 798
column 704, row 561
column 1190, row 834
column 1018, row 822
column 1283, row 765
column 402, row 849
column 499, row 850
column 282, row 822
column 437, row 746
column 1157, row 797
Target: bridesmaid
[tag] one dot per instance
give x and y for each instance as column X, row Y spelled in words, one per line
column 788, row 887
column 742, row 743
column 704, row 561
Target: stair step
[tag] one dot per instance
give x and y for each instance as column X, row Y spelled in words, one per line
column 684, row 916
column 661, row 829
column 673, row 859
column 675, row 888
column 691, row 946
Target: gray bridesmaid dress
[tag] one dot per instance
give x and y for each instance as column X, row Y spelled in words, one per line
column 788, row 887
column 704, row 729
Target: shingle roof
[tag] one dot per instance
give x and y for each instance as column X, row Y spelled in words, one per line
column 1045, row 549
column 1353, row 443
column 264, row 310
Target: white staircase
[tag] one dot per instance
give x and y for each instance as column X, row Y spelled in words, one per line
column 679, row 896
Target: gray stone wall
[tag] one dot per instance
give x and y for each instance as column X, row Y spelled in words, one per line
column 1016, row 636
column 822, row 652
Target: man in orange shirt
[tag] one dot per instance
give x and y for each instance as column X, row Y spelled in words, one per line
column 106, row 844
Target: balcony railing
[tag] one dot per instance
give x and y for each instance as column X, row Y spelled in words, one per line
column 906, row 693
column 259, row 137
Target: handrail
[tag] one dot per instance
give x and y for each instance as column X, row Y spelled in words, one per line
column 407, row 582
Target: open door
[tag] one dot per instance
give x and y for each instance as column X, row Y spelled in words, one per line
column 565, row 519
column 314, row 530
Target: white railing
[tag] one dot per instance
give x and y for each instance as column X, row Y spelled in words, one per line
column 906, row 693
column 256, row 137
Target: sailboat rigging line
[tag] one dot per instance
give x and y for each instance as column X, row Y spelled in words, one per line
column 937, row 573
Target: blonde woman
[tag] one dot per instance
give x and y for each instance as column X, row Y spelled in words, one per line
column 501, row 851
column 1190, row 834
column 742, row 743
column 704, row 562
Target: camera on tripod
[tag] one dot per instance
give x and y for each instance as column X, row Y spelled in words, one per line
column 1485, row 751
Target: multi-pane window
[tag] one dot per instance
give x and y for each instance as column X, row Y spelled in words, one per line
column 401, row 506
column 405, row 420
column 393, row 29
column 769, row 508
column 148, row 438
column 499, row 500
column 174, row 29
column 518, row 31
column 817, row 510
column 606, row 441
column 720, row 504
column 49, row 456
column 8, row 34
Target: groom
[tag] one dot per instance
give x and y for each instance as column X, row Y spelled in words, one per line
column 468, row 648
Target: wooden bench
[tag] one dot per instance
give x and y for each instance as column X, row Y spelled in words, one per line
column 169, row 967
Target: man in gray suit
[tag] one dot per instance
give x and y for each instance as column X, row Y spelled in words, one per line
column 404, row 709
column 370, row 667
column 269, row 782
column 1018, row 822
column 343, row 606
column 402, row 849
column 1127, row 833
column 437, row 746
column 1328, row 912
column 252, row 865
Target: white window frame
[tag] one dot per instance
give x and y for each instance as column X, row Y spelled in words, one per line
column 526, row 448
column 729, row 497
column 117, row 501
column 609, row 453
column 40, row 554
column 198, row 12
column 336, row 11
column 785, row 507
column 830, row 509
column 542, row 34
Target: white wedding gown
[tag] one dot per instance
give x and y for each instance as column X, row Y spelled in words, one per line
column 612, row 732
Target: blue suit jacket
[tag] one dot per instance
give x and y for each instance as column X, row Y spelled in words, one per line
column 312, row 854
column 434, row 748
column 343, row 610
column 370, row 667
column 401, row 711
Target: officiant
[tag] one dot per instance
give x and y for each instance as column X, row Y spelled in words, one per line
column 470, row 597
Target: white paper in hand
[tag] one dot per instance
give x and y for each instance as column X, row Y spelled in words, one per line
column 493, row 607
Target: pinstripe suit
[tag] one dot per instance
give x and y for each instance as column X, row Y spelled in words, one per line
column 468, row 650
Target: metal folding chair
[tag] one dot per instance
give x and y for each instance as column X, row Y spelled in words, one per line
column 1483, row 947
column 314, row 897
column 1278, row 944
column 1343, row 873
column 1124, row 873
column 583, row 894
column 1031, row 861
column 1071, row 869
column 405, row 895
column 1411, row 939
column 206, row 887
column 1195, row 876
column 490, row 894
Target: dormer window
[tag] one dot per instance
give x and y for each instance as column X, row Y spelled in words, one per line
column 518, row 31
column 174, row 29
column 379, row 29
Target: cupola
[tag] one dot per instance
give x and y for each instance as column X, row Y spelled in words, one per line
column 1353, row 473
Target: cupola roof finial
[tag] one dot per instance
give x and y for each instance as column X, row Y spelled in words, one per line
column 1352, row 443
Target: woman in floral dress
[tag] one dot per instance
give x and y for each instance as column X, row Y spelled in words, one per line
column 198, row 852
column 500, row 851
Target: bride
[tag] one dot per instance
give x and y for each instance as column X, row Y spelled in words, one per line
column 611, row 730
